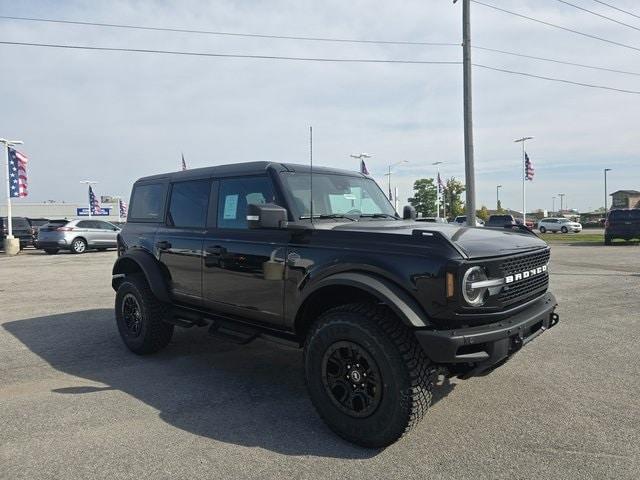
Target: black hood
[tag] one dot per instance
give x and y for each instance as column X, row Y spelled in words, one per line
column 474, row 242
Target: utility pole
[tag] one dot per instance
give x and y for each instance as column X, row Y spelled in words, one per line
column 605, row 190
column 11, row 245
column 524, row 178
column 498, row 187
column 469, row 170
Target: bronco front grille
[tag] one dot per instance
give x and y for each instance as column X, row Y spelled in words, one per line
column 529, row 287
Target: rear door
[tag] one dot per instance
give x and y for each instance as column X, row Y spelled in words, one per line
column 106, row 233
column 619, row 223
column 179, row 240
column 244, row 268
column 86, row 229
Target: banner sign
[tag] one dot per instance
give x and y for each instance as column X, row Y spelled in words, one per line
column 84, row 212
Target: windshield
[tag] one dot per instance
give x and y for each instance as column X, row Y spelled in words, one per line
column 336, row 195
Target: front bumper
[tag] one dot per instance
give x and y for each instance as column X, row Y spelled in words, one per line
column 486, row 345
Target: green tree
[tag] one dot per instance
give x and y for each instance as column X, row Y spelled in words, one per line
column 483, row 213
column 453, row 197
column 424, row 196
column 499, row 209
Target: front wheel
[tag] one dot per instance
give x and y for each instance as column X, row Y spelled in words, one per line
column 140, row 317
column 367, row 377
column 607, row 240
column 564, row 230
column 543, row 230
column 51, row 251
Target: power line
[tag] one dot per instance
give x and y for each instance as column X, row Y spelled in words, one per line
column 228, row 55
column 305, row 59
column 616, row 8
column 563, row 62
column 553, row 79
column 549, row 24
column 228, row 34
column 598, row 14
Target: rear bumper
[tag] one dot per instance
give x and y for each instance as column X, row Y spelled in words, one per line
column 61, row 243
column 487, row 345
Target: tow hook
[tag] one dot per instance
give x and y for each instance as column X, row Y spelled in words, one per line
column 555, row 318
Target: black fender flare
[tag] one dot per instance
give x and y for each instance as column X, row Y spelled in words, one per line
column 149, row 266
column 400, row 302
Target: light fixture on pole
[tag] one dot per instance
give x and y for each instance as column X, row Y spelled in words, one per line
column 561, row 195
column 89, row 183
column 437, row 188
column 524, row 177
column 361, row 157
column 391, row 199
column 11, row 244
column 605, row 190
column 498, row 187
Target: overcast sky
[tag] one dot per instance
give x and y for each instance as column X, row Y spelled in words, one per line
column 113, row 117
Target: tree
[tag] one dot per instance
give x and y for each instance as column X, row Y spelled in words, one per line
column 483, row 213
column 424, row 196
column 499, row 209
column 453, row 197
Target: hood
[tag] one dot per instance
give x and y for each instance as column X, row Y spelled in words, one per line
column 475, row 242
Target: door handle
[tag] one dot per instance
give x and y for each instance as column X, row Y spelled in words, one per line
column 163, row 245
column 214, row 250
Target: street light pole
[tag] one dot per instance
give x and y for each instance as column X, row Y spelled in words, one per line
column 605, row 190
column 437, row 189
column 498, row 187
column 389, row 174
column 360, row 156
column 561, row 195
column 553, row 204
column 524, row 177
column 89, row 182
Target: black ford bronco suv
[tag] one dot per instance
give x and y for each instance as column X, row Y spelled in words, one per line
column 381, row 304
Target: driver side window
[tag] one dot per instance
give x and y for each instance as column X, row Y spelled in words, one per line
column 236, row 194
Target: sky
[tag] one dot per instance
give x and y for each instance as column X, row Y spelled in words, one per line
column 113, row 117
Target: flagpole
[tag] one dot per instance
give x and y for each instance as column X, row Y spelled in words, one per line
column 89, row 183
column 6, row 171
column 524, row 177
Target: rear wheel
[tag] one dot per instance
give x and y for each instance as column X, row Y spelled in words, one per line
column 79, row 245
column 543, row 230
column 50, row 251
column 140, row 317
column 367, row 376
column 607, row 240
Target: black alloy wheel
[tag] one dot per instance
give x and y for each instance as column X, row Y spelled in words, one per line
column 352, row 379
column 132, row 314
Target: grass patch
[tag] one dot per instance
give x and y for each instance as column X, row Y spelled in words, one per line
column 573, row 237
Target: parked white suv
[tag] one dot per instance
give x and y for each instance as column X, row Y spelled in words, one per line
column 554, row 225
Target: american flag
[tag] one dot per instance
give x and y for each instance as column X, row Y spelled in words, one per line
column 529, row 172
column 17, row 174
column 390, row 194
column 440, row 184
column 184, row 164
column 123, row 208
column 363, row 168
column 94, row 204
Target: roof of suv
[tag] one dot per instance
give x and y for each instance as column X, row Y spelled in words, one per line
column 246, row 168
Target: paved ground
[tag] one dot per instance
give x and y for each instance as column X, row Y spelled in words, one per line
column 75, row 404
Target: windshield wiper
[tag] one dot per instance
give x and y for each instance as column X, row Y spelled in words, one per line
column 331, row 215
column 378, row 215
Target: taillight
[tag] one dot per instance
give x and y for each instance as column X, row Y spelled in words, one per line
column 64, row 229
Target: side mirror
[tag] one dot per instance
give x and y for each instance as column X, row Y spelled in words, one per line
column 266, row 215
column 409, row 213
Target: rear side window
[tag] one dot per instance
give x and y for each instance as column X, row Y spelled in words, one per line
column 188, row 206
column 236, row 194
column 147, row 203
column 85, row 224
column 20, row 223
column 619, row 215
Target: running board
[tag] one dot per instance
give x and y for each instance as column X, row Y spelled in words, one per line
column 233, row 332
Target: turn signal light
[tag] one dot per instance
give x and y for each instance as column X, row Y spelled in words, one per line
column 64, row 229
column 450, row 285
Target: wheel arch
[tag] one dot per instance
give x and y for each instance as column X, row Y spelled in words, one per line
column 350, row 287
column 146, row 264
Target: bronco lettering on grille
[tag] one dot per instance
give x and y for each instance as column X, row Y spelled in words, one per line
column 524, row 275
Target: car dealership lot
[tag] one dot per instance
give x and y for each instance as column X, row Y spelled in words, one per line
column 74, row 403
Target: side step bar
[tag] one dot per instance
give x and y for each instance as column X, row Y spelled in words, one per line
column 233, row 332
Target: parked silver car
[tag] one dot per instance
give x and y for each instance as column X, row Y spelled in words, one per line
column 554, row 225
column 76, row 235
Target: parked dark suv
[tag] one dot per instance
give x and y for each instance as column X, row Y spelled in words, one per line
column 381, row 304
column 622, row 223
column 21, row 229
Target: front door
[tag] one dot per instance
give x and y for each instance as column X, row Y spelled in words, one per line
column 244, row 268
column 178, row 242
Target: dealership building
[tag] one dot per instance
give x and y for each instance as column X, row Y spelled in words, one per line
column 59, row 210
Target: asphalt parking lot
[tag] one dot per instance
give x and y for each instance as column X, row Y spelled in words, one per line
column 74, row 403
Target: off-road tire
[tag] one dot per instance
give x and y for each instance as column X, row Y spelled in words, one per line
column 78, row 245
column 155, row 333
column 543, row 230
column 607, row 240
column 564, row 230
column 50, row 251
column 407, row 374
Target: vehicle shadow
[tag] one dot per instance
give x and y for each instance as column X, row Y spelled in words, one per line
column 250, row 395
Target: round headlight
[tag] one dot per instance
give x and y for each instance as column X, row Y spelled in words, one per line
column 474, row 296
